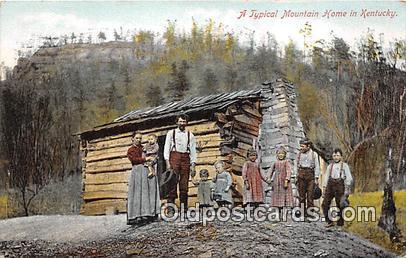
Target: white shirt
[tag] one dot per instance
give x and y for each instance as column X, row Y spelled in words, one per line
column 306, row 161
column 181, row 139
column 335, row 174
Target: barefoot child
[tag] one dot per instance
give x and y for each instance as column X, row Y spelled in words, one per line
column 251, row 173
column 282, row 195
column 205, row 189
column 223, row 181
column 151, row 149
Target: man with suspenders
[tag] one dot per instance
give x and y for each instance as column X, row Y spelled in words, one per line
column 180, row 156
column 306, row 171
column 336, row 184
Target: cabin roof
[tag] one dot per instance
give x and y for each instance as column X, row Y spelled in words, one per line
column 210, row 102
column 202, row 106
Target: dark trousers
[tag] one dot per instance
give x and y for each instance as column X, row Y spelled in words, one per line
column 335, row 189
column 180, row 163
column 305, row 184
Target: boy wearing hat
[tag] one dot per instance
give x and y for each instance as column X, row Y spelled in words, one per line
column 336, row 184
column 306, row 171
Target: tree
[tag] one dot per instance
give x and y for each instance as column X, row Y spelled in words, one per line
column 154, row 95
column 144, row 41
column 73, row 38
column 89, row 39
column 209, row 83
column 65, row 39
column 307, row 33
column 116, row 36
column 291, row 61
column 78, row 94
column 183, row 81
column 318, row 55
column 170, row 37
column 26, row 123
column 387, row 221
column 397, row 53
column 230, row 78
column 178, row 84
column 172, row 93
column 81, row 38
column 208, row 36
column 101, row 36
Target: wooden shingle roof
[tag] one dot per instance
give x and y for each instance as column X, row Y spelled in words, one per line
column 196, row 106
column 211, row 102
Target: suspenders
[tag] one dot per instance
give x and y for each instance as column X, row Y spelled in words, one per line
column 313, row 161
column 174, row 141
column 341, row 169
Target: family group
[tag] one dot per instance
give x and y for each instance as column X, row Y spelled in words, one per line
column 180, row 155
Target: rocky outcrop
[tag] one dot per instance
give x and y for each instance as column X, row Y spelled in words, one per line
column 49, row 60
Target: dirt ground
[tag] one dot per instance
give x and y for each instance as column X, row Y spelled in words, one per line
column 110, row 236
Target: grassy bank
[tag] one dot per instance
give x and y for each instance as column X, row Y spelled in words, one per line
column 370, row 230
column 3, row 206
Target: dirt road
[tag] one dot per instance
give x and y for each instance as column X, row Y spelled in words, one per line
column 109, row 236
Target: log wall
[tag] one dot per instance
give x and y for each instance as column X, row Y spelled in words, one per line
column 106, row 168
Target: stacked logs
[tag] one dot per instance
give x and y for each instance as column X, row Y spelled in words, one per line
column 239, row 129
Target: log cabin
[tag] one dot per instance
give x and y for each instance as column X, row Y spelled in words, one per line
column 226, row 125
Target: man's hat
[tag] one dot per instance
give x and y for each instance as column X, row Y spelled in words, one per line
column 305, row 141
column 344, row 202
column 316, row 193
column 167, row 176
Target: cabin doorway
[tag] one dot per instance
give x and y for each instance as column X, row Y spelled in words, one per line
column 161, row 167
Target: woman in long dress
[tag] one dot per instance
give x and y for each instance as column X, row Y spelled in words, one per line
column 281, row 172
column 143, row 203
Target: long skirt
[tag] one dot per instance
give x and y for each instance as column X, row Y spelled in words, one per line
column 281, row 196
column 143, row 194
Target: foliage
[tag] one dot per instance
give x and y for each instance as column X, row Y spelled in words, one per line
column 29, row 147
column 370, row 230
column 308, row 103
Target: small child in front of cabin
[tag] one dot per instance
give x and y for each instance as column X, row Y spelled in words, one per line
column 280, row 179
column 151, row 149
column 253, row 178
column 223, row 181
column 205, row 189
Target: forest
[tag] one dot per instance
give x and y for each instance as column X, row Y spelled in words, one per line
column 351, row 97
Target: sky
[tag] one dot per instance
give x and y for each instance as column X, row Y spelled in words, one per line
column 22, row 21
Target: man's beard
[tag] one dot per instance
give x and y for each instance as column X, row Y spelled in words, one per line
column 182, row 127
